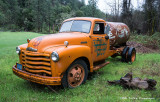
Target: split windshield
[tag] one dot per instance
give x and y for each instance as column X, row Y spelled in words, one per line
column 76, row 26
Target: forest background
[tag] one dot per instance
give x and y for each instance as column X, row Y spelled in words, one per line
column 46, row 16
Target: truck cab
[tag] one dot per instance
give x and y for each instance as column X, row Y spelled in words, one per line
column 65, row 58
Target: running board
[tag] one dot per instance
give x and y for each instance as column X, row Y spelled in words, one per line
column 100, row 66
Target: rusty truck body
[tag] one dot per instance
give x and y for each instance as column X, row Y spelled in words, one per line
column 81, row 46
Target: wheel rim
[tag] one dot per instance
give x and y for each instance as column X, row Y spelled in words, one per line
column 133, row 56
column 76, row 75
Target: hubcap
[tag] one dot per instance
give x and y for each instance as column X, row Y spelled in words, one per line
column 133, row 56
column 76, row 75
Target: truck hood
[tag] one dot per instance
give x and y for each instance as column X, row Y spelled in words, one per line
column 42, row 43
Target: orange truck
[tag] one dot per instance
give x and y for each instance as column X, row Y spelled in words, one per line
column 81, row 46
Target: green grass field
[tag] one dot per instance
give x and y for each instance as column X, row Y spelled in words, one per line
column 96, row 89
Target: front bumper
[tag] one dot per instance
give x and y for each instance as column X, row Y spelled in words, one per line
column 36, row 78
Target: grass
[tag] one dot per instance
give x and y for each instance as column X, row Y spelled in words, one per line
column 96, row 89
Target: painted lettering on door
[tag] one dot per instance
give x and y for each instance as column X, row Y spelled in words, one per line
column 100, row 46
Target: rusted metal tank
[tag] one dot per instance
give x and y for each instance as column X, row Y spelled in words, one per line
column 119, row 33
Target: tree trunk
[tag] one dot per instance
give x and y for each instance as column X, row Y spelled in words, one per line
column 38, row 19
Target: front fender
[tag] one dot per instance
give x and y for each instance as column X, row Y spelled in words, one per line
column 67, row 55
column 23, row 46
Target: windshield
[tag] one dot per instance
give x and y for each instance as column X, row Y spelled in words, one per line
column 76, row 26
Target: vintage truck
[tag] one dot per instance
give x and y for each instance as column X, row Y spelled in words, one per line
column 81, row 46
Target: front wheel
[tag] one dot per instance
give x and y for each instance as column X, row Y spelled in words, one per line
column 75, row 75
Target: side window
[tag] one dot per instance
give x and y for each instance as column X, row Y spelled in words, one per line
column 98, row 28
column 107, row 29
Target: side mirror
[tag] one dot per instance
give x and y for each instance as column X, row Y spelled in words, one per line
column 107, row 37
column 107, row 29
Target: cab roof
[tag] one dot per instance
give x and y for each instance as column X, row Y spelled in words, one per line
column 86, row 18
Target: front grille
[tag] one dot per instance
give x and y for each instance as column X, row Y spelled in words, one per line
column 37, row 63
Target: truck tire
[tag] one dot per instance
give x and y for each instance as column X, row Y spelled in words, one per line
column 75, row 75
column 131, row 56
column 124, row 54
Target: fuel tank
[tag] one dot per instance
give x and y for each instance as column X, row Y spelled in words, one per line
column 119, row 33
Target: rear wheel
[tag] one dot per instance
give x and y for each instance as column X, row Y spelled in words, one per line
column 124, row 54
column 75, row 75
column 131, row 56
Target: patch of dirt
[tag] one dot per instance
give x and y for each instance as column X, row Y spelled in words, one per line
column 150, row 72
column 152, row 68
column 141, row 48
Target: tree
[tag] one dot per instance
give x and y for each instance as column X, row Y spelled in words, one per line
column 126, row 15
column 40, row 15
column 115, row 9
column 158, row 15
column 149, row 17
column 93, row 6
column 2, row 13
column 79, row 13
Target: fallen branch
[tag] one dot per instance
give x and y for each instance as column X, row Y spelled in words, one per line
column 134, row 83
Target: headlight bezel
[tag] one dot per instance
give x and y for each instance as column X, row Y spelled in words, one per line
column 18, row 50
column 55, row 56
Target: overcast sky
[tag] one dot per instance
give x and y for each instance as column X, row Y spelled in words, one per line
column 102, row 4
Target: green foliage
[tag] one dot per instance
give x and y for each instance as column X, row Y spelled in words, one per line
column 150, row 41
column 79, row 13
column 2, row 18
column 151, row 13
column 96, row 89
column 41, row 15
column 93, row 6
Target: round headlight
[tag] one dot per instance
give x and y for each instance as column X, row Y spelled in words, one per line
column 18, row 50
column 54, row 56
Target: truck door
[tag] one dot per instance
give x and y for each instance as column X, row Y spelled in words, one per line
column 100, row 42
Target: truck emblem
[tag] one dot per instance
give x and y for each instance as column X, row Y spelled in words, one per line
column 37, row 42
